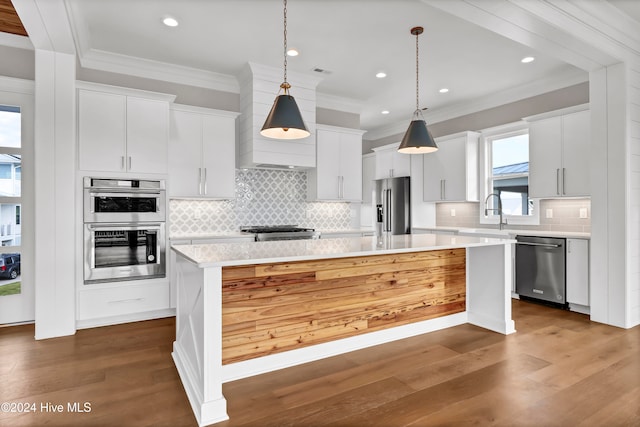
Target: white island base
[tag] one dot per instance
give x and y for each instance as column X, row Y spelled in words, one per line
column 198, row 349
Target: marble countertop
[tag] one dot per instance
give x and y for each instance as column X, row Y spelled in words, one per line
column 228, row 254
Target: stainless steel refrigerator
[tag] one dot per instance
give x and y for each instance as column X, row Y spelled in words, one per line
column 392, row 205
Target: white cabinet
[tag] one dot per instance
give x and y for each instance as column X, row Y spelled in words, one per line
column 577, row 271
column 368, row 176
column 109, row 304
column 202, row 153
column 338, row 172
column 451, row 173
column 121, row 130
column 390, row 163
column 559, row 154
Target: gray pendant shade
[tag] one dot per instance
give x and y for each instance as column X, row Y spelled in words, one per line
column 417, row 139
column 284, row 120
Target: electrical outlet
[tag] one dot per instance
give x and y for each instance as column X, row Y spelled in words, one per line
column 549, row 213
column 453, row 212
column 583, row 213
column 197, row 214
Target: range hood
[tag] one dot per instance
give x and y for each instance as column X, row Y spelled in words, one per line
column 259, row 85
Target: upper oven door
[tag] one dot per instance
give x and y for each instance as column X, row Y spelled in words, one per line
column 123, row 206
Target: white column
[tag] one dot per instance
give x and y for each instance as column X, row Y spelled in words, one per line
column 55, row 154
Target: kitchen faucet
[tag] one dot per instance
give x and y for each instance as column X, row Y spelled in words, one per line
column 487, row 209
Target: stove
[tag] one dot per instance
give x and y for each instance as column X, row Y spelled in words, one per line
column 280, row 232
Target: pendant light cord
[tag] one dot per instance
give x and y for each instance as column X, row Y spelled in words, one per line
column 285, row 85
column 417, row 74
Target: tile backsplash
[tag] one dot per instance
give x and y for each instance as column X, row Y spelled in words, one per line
column 263, row 197
column 565, row 216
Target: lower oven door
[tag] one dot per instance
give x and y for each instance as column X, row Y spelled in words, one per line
column 131, row 251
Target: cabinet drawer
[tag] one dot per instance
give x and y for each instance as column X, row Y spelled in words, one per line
column 126, row 299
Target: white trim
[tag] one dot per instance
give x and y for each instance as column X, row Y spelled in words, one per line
column 145, row 68
column 339, row 103
column 11, row 84
column 99, row 87
column 203, row 110
column 14, row 40
column 556, row 113
column 125, row 318
column 340, row 129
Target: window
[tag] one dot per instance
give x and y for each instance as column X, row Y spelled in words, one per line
column 506, row 175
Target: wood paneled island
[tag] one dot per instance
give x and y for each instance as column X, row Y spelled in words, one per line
column 249, row 308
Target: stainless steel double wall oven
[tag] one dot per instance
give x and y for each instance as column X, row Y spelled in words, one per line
column 124, row 229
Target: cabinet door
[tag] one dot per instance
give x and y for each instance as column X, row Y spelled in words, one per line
column 147, row 135
column 433, row 176
column 328, row 165
column 219, row 154
column 368, row 175
column 401, row 164
column 185, row 155
column 576, row 132
column 545, row 157
column 452, row 154
column 578, row 271
column 101, row 131
column 351, row 166
column 384, row 164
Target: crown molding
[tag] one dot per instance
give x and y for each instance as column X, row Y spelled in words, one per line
column 145, row 68
column 14, row 40
column 11, row 84
column 539, row 87
column 339, row 103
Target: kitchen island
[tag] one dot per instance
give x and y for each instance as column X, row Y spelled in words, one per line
column 249, row 308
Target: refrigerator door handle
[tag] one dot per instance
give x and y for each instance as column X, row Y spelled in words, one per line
column 388, row 210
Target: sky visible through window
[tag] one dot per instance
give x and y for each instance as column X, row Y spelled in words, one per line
column 509, row 151
column 10, row 135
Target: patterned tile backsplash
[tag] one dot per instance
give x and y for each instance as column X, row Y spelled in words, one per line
column 263, row 197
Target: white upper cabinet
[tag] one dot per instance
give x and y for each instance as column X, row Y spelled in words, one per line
column 368, row 175
column 390, row 163
column 338, row 172
column 451, row 173
column 122, row 130
column 559, row 154
column 202, row 153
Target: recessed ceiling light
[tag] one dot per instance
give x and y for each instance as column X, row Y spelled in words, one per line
column 384, row 112
column 527, row 59
column 293, row 52
column 170, row 22
column 381, row 75
column 443, row 90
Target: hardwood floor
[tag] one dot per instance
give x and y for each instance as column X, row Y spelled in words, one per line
column 559, row 369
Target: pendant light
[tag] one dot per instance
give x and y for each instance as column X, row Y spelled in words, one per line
column 284, row 120
column 417, row 139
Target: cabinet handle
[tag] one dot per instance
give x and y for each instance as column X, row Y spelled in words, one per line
column 342, row 187
column 200, row 181
column 390, row 173
column 122, row 162
column 129, row 163
column 564, row 190
column 558, row 182
column 205, row 181
column 569, row 246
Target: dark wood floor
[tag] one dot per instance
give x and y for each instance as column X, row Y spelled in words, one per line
column 559, row 369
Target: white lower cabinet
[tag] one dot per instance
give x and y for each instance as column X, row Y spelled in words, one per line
column 577, row 269
column 130, row 299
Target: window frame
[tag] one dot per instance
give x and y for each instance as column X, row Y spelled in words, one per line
column 487, row 136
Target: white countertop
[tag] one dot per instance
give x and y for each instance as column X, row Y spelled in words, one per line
column 508, row 232
column 228, row 254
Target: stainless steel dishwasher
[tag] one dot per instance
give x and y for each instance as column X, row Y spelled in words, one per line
column 540, row 269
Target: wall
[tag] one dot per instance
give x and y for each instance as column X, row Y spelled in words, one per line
column 263, row 197
column 508, row 113
column 17, row 63
column 566, row 216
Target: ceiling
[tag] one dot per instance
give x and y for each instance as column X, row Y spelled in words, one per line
column 351, row 40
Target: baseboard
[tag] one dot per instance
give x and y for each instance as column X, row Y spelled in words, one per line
column 125, row 318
